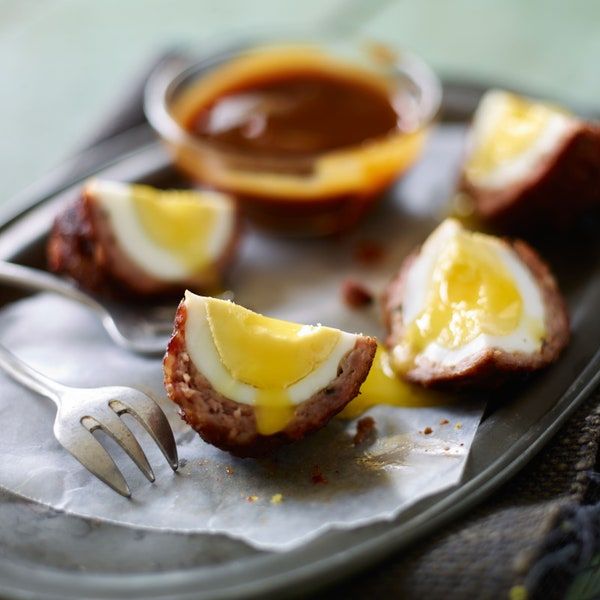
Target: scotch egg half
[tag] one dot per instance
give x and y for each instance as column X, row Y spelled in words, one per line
column 530, row 163
column 249, row 383
column 145, row 241
column 467, row 309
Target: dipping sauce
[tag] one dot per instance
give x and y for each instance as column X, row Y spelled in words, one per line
column 306, row 140
column 298, row 114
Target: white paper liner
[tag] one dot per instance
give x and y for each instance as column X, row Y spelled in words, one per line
column 325, row 482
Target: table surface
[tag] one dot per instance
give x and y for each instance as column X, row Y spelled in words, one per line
column 64, row 62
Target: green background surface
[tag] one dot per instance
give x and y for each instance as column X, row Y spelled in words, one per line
column 64, row 62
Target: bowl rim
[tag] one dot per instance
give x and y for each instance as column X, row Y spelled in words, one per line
column 175, row 72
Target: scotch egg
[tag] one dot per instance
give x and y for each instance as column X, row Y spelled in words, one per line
column 470, row 310
column 530, row 164
column 138, row 240
column 249, row 383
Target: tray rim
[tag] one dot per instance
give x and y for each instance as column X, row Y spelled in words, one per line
column 454, row 502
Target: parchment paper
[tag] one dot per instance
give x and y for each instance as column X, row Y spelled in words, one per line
column 275, row 504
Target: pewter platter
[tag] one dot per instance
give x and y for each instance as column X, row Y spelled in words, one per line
column 47, row 554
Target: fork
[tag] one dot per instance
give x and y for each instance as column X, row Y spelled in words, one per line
column 144, row 332
column 81, row 411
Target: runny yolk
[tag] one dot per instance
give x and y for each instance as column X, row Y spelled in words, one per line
column 178, row 221
column 273, row 411
column 281, row 353
column 382, row 386
column 471, row 293
column 519, row 124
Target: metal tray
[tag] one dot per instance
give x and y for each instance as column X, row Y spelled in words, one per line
column 47, row 554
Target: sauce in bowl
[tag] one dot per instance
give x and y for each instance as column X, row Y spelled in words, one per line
column 296, row 115
column 304, row 139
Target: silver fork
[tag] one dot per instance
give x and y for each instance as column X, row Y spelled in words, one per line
column 144, row 330
column 82, row 411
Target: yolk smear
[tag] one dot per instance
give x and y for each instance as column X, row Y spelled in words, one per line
column 273, row 411
column 177, row 221
column 382, row 386
column 471, row 293
column 535, row 327
column 281, row 354
column 518, row 126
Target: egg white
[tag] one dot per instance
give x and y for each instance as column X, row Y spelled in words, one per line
column 205, row 356
column 418, row 282
column 115, row 199
column 489, row 111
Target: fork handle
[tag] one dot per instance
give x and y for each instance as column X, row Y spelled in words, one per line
column 35, row 279
column 29, row 377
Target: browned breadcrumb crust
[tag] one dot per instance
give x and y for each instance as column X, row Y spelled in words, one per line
column 555, row 194
column 230, row 425
column 355, row 294
column 365, row 430
column 492, row 366
column 71, row 248
column 82, row 246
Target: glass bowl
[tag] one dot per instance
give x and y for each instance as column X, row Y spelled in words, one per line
column 313, row 194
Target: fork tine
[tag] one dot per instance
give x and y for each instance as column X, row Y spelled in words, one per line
column 110, row 423
column 83, row 446
column 154, row 421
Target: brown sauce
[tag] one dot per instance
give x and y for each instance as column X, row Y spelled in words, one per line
column 296, row 115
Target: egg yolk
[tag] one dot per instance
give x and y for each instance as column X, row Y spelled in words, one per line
column 382, row 386
column 471, row 293
column 518, row 125
column 282, row 353
column 179, row 221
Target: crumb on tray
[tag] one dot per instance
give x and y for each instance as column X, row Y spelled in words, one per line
column 317, row 476
column 368, row 252
column 365, row 429
column 355, row 295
